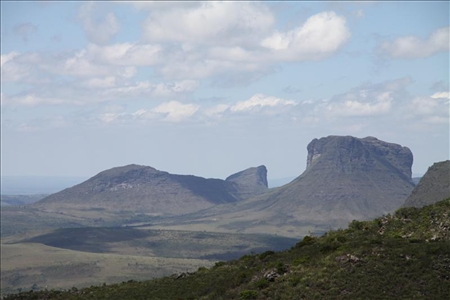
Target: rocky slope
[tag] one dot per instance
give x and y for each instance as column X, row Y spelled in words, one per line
column 433, row 187
column 143, row 189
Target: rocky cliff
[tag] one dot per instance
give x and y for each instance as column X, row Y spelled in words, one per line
column 349, row 178
column 434, row 186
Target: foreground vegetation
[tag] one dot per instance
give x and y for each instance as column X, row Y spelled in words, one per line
column 401, row 256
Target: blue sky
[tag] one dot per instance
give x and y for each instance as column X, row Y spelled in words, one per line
column 212, row 88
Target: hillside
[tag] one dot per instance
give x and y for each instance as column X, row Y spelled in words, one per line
column 346, row 178
column 145, row 190
column 14, row 200
column 400, row 256
column 433, row 186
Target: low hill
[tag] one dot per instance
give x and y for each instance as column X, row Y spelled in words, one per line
column 405, row 255
column 432, row 187
column 143, row 189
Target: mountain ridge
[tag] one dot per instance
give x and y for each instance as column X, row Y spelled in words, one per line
column 145, row 189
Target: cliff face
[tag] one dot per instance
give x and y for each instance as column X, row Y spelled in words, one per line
column 352, row 177
column 250, row 182
column 349, row 154
column 434, row 186
column 144, row 189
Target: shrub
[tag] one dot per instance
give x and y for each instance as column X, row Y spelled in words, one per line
column 265, row 254
column 249, row 294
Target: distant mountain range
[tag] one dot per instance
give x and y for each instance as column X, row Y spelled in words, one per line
column 346, row 178
column 433, row 187
column 143, row 189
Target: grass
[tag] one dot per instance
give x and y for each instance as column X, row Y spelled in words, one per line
column 405, row 255
column 28, row 265
column 79, row 257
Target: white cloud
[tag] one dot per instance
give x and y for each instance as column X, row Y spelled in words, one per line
column 321, row 35
column 98, row 31
column 439, row 95
column 175, row 111
column 125, row 54
column 160, row 5
column 367, row 99
column 217, row 23
column 147, row 88
column 79, row 65
column 31, row 100
column 361, row 107
column 105, row 82
column 429, row 105
column 7, row 57
column 259, row 101
column 12, row 69
column 216, row 111
column 415, row 47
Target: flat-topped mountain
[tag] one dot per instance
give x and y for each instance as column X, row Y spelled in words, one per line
column 432, row 187
column 144, row 189
column 349, row 178
column 346, row 178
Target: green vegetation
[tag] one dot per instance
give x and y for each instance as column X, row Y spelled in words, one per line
column 405, row 255
column 81, row 257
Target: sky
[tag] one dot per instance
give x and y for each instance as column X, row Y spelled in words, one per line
column 212, row 88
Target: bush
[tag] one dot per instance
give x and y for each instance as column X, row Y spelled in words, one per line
column 249, row 294
column 265, row 254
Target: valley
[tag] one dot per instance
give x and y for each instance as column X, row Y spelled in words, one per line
column 138, row 223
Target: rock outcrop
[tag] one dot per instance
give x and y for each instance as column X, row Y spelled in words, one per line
column 434, row 186
column 250, row 182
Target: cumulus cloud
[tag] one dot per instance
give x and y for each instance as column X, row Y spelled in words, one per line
column 216, row 112
column 367, row 99
column 175, row 111
column 125, row 54
column 147, row 88
column 321, row 35
column 259, row 101
column 415, row 47
column 104, row 82
column 441, row 95
column 98, row 31
column 359, row 106
column 24, row 30
column 217, row 23
column 14, row 67
column 431, row 110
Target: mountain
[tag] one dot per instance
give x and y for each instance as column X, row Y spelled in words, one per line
column 143, row 189
column 433, row 187
column 400, row 256
column 13, row 200
column 346, row 178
